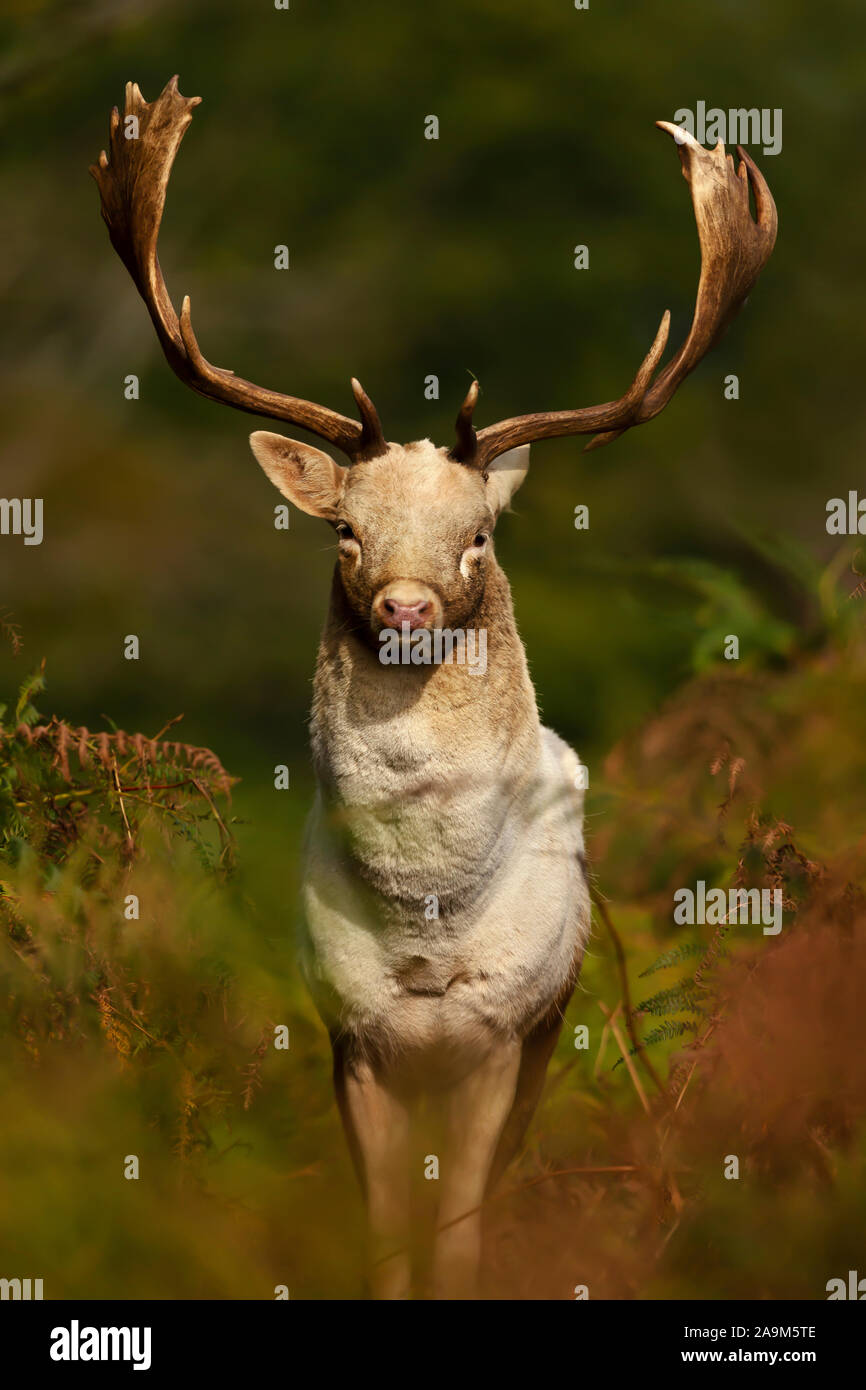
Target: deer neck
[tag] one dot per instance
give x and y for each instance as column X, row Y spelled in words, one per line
column 424, row 761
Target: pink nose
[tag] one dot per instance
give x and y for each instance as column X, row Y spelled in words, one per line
column 415, row 614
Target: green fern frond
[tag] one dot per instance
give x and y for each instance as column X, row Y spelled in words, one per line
column 671, row 1028
column 683, row 997
column 675, row 956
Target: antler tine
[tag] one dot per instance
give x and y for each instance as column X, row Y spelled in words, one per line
column 372, row 442
column 466, row 448
column 734, row 249
column 132, row 189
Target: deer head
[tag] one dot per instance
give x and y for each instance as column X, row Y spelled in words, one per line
column 415, row 522
column 414, row 526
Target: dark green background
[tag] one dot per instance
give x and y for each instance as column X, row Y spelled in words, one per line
column 411, row 257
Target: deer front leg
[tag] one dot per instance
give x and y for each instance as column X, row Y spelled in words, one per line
column 477, row 1110
column 377, row 1129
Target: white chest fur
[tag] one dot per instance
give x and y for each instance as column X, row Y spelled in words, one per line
column 442, row 913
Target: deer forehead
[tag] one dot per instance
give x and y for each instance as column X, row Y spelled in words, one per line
column 415, row 485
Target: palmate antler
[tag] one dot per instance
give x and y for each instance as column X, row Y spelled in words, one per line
column 132, row 188
column 734, row 250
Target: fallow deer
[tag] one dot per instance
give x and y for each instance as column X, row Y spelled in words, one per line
column 437, row 784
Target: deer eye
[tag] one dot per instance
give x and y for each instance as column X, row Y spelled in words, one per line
column 480, row 540
column 344, row 531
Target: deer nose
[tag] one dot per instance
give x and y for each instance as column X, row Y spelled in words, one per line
column 403, row 602
column 412, row 613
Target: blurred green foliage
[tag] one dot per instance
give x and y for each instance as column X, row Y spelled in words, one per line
column 412, row 257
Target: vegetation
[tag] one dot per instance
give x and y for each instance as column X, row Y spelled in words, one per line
column 150, row 1030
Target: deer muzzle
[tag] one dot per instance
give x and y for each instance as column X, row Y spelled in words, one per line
column 406, row 601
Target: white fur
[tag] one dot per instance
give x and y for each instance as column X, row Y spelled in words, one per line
column 508, row 947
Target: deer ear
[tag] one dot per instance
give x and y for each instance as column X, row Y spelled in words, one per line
column 308, row 477
column 504, row 476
